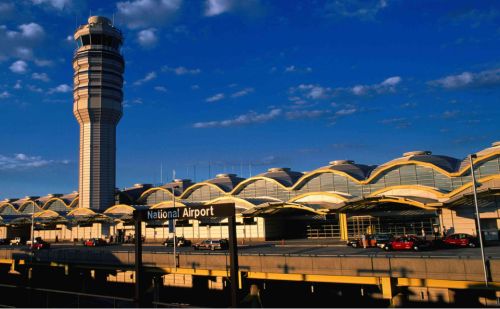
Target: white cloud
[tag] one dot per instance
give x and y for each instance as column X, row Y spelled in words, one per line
column 298, row 114
column 161, row 89
column 294, row 69
column 138, row 14
column 4, row 95
column 147, row 78
column 312, row 91
column 180, row 70
column 363, row 9
column 483, row 79
column 18, row 85
column 43, row 63
column 58, row 4
column 19, row 44
column 216, row 7
column 147, row 37
column 215, row 98
column 398, row 123
column 23, row 161
column 31, row 30
column 346, row 111
column 37, row 89
column 19, row 67
column 40, row 76
column 388, row 85
column 242, row 92
column 249, row 118
column 63, row 88
column 195, row 87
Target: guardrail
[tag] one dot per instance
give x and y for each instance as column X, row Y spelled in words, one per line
column 421, row 267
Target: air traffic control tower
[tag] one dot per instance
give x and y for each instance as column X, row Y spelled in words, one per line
column 98, row 69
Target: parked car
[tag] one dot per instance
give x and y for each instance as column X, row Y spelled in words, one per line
column 4, row 241
column 212, row 244
column 17, row 241
column 372, row 240
column 407, row 243
column 181, row 242
column 460, row 240
column 94, row 242
column 39, row 244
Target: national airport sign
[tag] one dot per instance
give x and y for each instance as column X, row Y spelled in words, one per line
column 188, row 212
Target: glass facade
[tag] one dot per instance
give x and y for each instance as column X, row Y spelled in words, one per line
column 400, row 175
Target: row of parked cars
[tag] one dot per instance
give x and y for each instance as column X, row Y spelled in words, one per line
column 412, row 242
column 207, row 244
column 37, row 244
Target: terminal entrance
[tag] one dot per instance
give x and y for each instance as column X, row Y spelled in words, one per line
column 328, row 228
column 394, row 222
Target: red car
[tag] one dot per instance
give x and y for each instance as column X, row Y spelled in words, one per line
column 94, row 242
column 39, row 244
column 406, row 243
column 461, row 240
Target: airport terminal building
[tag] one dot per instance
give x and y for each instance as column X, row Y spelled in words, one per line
column 418, row 193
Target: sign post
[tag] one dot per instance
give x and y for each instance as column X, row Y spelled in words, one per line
column 138, row 258
column 226, row 210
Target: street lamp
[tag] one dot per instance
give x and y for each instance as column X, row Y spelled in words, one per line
column 33, row 225
column 478, row 221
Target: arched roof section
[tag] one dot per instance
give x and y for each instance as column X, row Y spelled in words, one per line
column 27, row 207
column 427, row 192
column 74, row 203
column 120, row 209
column 82, row 212
column 150, row 191
column 282, row 175
column 44, row 214
column 349, row 167
column 199, row 185
column 238, row 202
column 376, row 202
column 494, row 149
column 250, row 180
column 170, row 204
column 8, row 209
column 315, row 197
column 273, row 208
column 226, row 182
column 411, row 190
column 49, row 203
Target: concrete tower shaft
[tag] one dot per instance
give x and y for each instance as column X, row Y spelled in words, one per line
column 98, row 68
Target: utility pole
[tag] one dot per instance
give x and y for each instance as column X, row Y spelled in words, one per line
column 478, row 220
column 173, row 221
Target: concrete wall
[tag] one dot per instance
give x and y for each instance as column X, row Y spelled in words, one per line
column 461, row 219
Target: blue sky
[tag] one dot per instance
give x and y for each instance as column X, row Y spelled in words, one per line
column 249, row 85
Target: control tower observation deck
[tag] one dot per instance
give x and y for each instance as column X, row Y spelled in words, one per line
column 98, row 81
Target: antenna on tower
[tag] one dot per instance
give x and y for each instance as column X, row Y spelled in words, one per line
column 161, row 173
column 173, row 175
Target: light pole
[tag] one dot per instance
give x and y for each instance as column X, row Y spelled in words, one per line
column 473, row 156
column 173, row 221
column 33, row 225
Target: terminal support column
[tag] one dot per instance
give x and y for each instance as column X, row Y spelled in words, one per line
column 343, row 226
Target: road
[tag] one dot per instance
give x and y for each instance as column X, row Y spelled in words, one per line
column 311, row 249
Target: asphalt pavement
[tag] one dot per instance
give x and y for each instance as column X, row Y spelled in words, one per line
column 297, row 247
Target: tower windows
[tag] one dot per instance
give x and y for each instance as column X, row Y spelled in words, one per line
column 99, row 39
column 85, row 40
